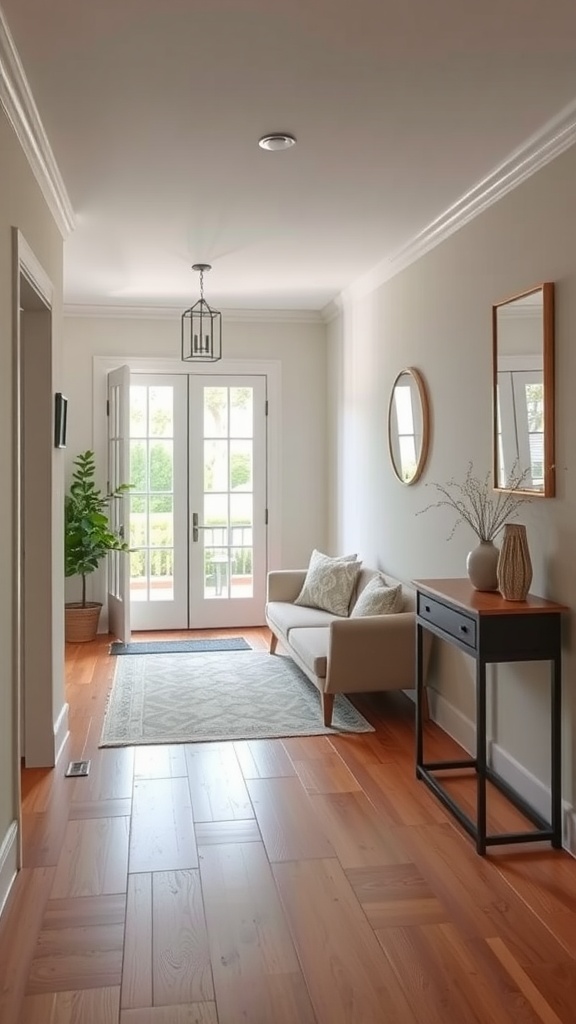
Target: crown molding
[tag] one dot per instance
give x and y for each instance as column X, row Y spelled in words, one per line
column 17, row 100
column 556, row 135
column 331, row 310
column 298, row 316
column 31, row 268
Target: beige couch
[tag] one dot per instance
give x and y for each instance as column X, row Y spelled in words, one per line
column 343, row 655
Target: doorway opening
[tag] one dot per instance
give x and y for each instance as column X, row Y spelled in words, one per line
column 198, row 510
column 34, row 424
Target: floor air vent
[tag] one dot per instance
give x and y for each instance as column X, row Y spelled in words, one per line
column 76, row 768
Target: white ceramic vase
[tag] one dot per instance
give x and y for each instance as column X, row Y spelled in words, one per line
column 481, row 565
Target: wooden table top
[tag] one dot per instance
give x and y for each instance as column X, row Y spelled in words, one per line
column 482, row 602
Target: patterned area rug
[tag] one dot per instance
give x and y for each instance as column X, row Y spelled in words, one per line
column 191, row 698
column 232, row 643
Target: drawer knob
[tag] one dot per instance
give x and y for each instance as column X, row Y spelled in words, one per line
column 426, row 607
column 463, row 629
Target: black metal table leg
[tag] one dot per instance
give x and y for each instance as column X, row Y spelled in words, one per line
column 419, row 696
column 556, row 753
column 481, row 755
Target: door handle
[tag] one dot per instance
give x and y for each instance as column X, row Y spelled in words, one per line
column 196, row 527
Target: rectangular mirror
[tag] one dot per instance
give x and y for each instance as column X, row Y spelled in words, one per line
column 523, row 391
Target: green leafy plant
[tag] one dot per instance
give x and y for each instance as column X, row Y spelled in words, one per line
column 88, row 535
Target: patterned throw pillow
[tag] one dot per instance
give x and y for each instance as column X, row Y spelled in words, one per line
column 329, row 583
column 378, row 598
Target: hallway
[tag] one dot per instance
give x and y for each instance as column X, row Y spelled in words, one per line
column 303, row 881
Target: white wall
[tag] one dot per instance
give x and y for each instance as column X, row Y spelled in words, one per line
column 22, row 206
column 301, row 349
column 436, row 316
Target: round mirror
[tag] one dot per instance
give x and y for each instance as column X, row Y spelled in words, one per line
column 408, row 425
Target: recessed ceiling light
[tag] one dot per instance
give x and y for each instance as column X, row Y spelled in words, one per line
column 278, row 140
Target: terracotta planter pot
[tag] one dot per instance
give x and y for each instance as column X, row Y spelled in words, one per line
column 81, row 622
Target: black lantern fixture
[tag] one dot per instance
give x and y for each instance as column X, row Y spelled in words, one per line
column 201, row 327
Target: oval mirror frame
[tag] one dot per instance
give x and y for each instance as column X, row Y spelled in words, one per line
column 523, row 391
column 418, row 413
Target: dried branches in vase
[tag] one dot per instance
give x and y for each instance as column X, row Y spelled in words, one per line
column 486, row 512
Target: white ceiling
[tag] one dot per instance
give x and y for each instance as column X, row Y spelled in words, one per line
column 154, row 108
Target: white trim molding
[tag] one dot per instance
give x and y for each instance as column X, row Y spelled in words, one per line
column 271, row 316
column 18, row 102
column 452, row 720
column 533, row 791
column 31, row 268
column 536, row 793
column 569, row 833
column 8, row 862
column 269, row 368
column 60, row 732
column 555, row 136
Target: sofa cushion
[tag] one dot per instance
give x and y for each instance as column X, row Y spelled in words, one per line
column 378, row 598
column 329, row 583
column 311, row 646
column 283, row 617
column 408, row 592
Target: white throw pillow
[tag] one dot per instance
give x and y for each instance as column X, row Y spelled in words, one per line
column 329, row 583
column 378, row 598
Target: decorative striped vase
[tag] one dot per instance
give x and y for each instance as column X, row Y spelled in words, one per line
column 514, row 565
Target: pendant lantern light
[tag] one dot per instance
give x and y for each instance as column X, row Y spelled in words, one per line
column 201, row 327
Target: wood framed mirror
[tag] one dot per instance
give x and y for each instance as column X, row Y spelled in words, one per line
column 523, row 392
column 408, row 425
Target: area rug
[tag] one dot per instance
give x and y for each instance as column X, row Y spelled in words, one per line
column 193, row 698
column 232, row 643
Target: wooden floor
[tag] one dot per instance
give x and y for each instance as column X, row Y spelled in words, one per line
column 304, row 881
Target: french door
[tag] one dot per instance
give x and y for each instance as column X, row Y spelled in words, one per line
column 119, row 601
column 198, row 502
column 158, row 501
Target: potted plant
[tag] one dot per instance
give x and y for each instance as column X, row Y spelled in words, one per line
column 88, row 537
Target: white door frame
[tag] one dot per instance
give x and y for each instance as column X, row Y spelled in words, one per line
column 118, row 595
column 38, row 738
column 270, row 368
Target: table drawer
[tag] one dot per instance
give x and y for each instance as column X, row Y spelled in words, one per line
column 458, row 625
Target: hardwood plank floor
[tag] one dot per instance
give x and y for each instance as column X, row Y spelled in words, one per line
column 181, row 971
column 162, row 836
column 307, row 881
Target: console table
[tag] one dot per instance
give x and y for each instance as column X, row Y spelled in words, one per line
column 490, row 629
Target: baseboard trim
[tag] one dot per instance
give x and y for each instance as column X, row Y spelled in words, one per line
column 569, row 829
column 8, row 862
column 60, row 732
column 452, row 721
column 535, row 792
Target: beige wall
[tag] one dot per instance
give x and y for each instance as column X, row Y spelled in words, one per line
column 300, row 348
column 22, row 205
column 436, row 316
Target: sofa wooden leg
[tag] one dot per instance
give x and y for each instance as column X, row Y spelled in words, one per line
column 327, row 707
column 273, row 642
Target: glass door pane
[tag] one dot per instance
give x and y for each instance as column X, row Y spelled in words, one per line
column 227, row 489
column 157, row 506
